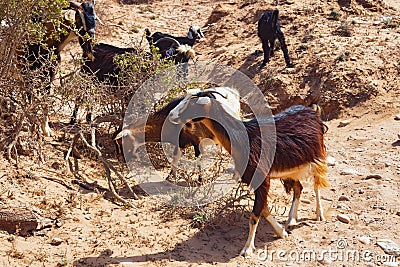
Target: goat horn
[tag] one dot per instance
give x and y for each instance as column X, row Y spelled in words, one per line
column 172, row 40
column 99, row 20
column 205, row 93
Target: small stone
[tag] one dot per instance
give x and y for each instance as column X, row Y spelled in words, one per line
column 56, row 241
column 220, row 50
column 391, row 264
column 364, row 239
column 397, row 117
column 389, row 246
column 330, row 161
column 326, row 261
column 343, row 218
column 344, row 123
column 58, row 223
column 373, row 176
column 344, row 198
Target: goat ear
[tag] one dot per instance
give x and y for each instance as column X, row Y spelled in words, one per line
column 203, row 101
column 69, row 15
column 75, row 5
column 122, row 134
column 275, row 15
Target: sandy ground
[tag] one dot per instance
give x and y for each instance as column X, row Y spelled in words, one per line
column 362, row 87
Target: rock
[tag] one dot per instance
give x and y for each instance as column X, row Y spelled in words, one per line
column 326, row 261
column 331, row 161
column 398, row 213
column 344, row 123
column 56, row 241
column 391, row 264
column 364, row 239
column 220, row 50
column 19, row 220
column 343, row 218
column 389, row 246
column 397, row 117
column 307, row 201
column 344, row 198
column 373, row 176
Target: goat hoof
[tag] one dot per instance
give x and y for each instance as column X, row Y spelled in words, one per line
column 320, row 217
column 291, row 225
column 247, row 252
column 283, row 234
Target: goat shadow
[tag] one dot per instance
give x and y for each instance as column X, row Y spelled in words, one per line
column 218, row 242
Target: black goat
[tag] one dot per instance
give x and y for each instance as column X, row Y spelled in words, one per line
column 105, row 69
column 299, row 152
column 39, row 55
column 269, row 29
column 194, row 34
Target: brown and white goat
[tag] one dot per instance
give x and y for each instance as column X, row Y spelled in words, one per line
column 79, row 21
column 154, row 128
column 295, row 150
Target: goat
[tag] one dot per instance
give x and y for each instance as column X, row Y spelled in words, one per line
column 105, row 69
column 269, row 28
column 39, row 55
column 151, row 130
column 299, row 151
column 194, row 34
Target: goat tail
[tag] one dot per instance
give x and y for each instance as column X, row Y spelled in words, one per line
column 319, row 171
column 186, row 49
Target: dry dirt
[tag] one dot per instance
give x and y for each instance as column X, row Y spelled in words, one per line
column 360, row 85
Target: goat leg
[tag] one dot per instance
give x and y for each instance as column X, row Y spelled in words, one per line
column 267, row 51
column 292, row 219
column 281, row 39
column 45, row 122
column 249, row 247
column 271, row 44
column 74, row 115
column 177, row 154
column 319, row 171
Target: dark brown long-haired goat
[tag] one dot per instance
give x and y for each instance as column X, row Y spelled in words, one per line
column 288, row 146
